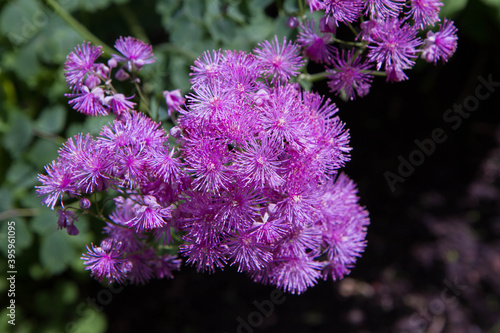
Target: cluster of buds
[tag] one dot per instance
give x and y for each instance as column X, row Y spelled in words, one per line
column 385, row 40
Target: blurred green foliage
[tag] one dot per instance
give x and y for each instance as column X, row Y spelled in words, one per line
column 35, row 119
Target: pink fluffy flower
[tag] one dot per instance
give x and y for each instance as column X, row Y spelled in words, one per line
column 441, row 44
column 135, row 53
column 280, row 60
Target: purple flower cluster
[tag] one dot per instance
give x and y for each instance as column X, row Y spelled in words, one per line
column 253, row 179
column 387, row 39
column 132, row 157
column 264, row 157
column 93, row 93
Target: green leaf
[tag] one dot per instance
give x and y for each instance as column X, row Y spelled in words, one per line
column 51, row 119
column 167, row 10
column 234, row 13
column 494, row 3
column 259, row 28
column 67, row 292
column 31, row 199
column 21, row 175
column 56, row 252
column 44, row 223
column 21, row 21
column 42, row 152
column 24, row 238
column 195, row 9
column 19, row 134
column 452, row 7
column 91, row 125
column 5, row 199
column 223, row 30
column 178, row 66
column 93, row 321
column 496, row 8
column 56, row 41
column 186, row 27
column 93, row 5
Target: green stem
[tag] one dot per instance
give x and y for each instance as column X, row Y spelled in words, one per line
column 84, row 32
column 352, row 29
column 18, row 212
column 313, row 77
column 376, row 73
column 59, row 140
column 141, row 95
column 364, row 71
column 100, row 217
column 280, row 6
column 323, row 75
column 301, row 9
column 133, row 23
column 96, row 206
column 9, row 89
column 340, row 41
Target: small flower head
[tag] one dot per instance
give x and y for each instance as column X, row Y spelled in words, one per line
column 384, row 9
column 165, row 166
column 150, row 215
column 296, row 274
column 394, row 45
column 206, row 67
column 248, row 254
column 89, row 102
column 425, row 12
column 315, row 5
column 316, row 47
column 119, row 103
column 206, row 160
column 344, row 11
column 441, row 44
column 259, row 164
column 84, row 203
column 66, row 221
column 106, row 261
column 348, row 76
column 174, row 100
column 135, row 53
column 80, row 62
column 58, row 181
column 279, row 60
column 164, row 266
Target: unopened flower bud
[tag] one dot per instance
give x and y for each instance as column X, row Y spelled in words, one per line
column 84, row 203
column 175, row 132
column 121, row 75
column 292, row 22
column 112, row 63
